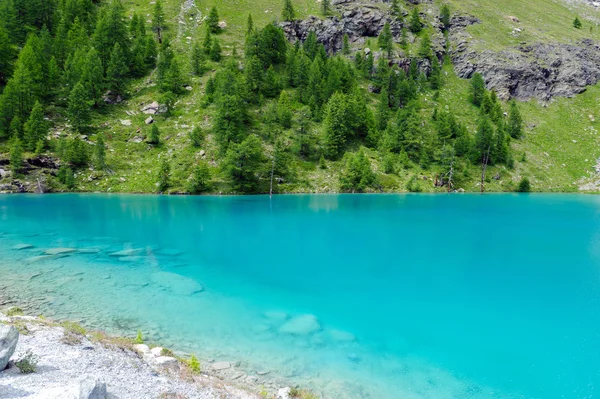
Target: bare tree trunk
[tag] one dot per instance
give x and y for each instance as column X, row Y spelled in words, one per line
column 450, row 174
column 486, row 159
column 272, row 172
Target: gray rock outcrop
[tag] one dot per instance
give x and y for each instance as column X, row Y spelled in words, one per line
column 9, row 336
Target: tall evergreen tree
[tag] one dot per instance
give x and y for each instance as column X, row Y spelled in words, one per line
column 250, row 25
column 395, row 9
column 345, row 45
column 213, row 21
column 164, row 176
column 325, row 6
column 336, row 125
column 79, row 108
column 8, row 52
column 515, row 121
column 445, row 17
column 207, row 44
column 158, row 20
column 100, row 153
column 425, row 47
column 215, row 51
column 415, row 24
column 198, row 60
column 35, row 129
column 16, row 155
column 477, row 89
column 386, row 40
column 288, row 14
column 117, row 70
column 243, row 163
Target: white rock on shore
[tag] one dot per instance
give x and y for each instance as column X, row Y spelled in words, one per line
column 9, row 336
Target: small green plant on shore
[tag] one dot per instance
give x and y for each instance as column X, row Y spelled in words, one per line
column 14, row 311
column 139, row 339
column 194, row 364
column 167, row 352
column 27, row 362
column 299, row 393
column 73, row 333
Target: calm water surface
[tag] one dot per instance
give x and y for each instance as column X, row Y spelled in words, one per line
column 373, row 296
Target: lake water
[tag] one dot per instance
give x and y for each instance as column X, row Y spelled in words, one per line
column 355, row 296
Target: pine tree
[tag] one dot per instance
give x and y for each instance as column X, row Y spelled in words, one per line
column 250, row 25
column 76, row 153
column 288, row 13
column 200, row 181
column 92, row 76
column 395, row 9
column 215, row 51
column 230, row 118
column 515, row 121
column 435, row 79
column 243, row 163
column 197, row 136
column 345, row 45
column 383, row 110
column 477, row 89
column 484, row 139
column 325, row 6
column 117, row 70
column 577, row 23
column 425, row 47
column 284, row 113
column 212, row 21
column 154, row 136
column 100, row 153
column 385, row 40
column 445, row 17
column 8, row 52
column 198, row 60
column 16, row 155
column 164, row 176
column 207, row 44
column 158, row 20
column 173, row 81
column 336, row 125
column 415, row 25
column 358, row 174
column 79, row 108
column 35, row 129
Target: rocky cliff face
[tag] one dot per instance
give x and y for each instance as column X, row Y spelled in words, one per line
column 540, row 71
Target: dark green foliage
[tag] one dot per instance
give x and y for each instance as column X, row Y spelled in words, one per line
column 414, row 185
column 524, row 185
column 230, row 118
column 154, row 136
column 16, row 155
column 345, row 45
column 197, row 136
column 445, row 17
column 213, row 21
column 395, row 9
column 207, row 43
column 435, row 79
column 201, row 179
column 358, row 174
column 385, row 40
column 425, row 47
column 269, row 45
column 158, row 20
column 249, row 25
column 164, row 176
column 36, row 128
column 477, row 89
column 288, row 13
column 415, row 24
column 515, row 121
column 117, row 70
column 76, row 153
column 66, row 176
column 243, row 165
column 79, row 108
column 577, row 23
column 484, row 140
column 198, row 60
column 215, row 50
column 100, row 153
column 8, row 52
column 325, row 6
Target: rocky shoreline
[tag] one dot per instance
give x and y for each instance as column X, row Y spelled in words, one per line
column 74, row 363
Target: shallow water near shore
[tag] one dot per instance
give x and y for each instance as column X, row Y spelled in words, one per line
column 372, row 296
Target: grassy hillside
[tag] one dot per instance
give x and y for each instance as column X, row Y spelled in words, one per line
column 559, row 149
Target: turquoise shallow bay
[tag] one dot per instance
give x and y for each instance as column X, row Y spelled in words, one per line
column 400, row 296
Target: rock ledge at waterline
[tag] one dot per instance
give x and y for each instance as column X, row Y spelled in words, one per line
column 95, row 370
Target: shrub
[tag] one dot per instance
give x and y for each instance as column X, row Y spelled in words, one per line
column 414, row 185
column 524, row 186
column 194, row 364
column 577, row 23
column 197, row 136
column 14, row 311
column 27, row 362
column 139, row 339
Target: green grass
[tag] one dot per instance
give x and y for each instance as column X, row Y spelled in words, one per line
column 540, row 21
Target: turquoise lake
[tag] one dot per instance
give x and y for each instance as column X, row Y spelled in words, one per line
column 354, row 296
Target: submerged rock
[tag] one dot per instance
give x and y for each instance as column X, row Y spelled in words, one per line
column 128, row 252
column 59, row 251
column 277, row 316
column 301, row 325
column 9, row 336
column 341, row 336
column 176, row 283
column 221, row 366
column 22, row 246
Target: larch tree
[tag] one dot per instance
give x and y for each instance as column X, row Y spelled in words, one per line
column 288, row 14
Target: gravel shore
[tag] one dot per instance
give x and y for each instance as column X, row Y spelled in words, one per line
column 66, row 359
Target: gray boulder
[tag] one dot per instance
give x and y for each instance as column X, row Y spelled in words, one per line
column 9, row 336
column 92, row 388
